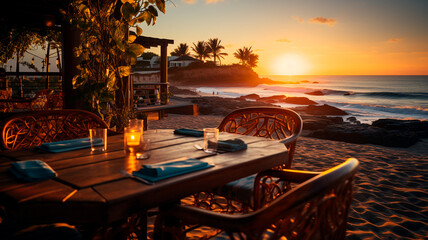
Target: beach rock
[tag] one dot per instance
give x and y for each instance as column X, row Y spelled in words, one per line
column 316, row 93
column 319, row 122
column 250, row 96
column 353, row 120
column 321, row 110
column 366, row 134
column 300, row 101
column 416, row 126
column 223, row 106
column 284, row 99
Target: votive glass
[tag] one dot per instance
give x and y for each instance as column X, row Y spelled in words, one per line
column 210, row 140
column 132, row 139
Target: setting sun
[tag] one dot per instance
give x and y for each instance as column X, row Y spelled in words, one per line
column 290, row 64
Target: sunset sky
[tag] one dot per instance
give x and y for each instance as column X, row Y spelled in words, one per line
column 337, row 37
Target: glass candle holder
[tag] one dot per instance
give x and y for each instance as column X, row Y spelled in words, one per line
column 133, row 138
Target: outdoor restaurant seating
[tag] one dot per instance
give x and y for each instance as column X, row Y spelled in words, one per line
column 316, row 208
column 32, row 128
column 269, row 122
column 41, row 100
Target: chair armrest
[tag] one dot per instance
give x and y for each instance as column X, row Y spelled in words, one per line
column 288, row 175
column 273, row 183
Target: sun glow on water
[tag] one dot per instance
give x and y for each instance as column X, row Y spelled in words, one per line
column 290, row 64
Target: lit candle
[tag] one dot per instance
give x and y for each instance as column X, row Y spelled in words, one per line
column 133, row 138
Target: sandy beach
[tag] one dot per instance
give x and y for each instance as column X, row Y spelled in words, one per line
column 391, row 191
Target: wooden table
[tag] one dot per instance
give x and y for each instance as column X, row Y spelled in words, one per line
column 91, row 189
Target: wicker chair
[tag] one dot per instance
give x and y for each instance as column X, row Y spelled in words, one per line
column 269, row 122
column 30, row 129
column 316, row 208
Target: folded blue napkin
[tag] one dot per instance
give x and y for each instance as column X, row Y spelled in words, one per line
column 32, row 170
column 69, row 145
column 156, row 172
column 189, row 132
column 231, row 145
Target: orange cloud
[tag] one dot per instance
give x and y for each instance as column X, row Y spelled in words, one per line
column 323, row 20
column 189, row 1
column 284, row 40
column 300, row 20
column 394, row 40
column 213, row 1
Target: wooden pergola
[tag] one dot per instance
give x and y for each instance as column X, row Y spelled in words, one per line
column 46, row 14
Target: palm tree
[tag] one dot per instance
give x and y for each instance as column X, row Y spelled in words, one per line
column 247, row 57
column 243, row 55
column 201, row 50
column 215, row 47
column 253, row 60
column 181, row 50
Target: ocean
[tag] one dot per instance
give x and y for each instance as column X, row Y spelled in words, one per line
column 367, row 98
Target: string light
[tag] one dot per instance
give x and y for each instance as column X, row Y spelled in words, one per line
column 32, row 61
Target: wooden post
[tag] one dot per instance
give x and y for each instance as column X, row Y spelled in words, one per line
column 70, row 38
column 18, row 76
column 47, row 66
column 164, row 74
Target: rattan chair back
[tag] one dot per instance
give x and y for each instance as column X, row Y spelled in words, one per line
column 269, row 122
column 30, row 129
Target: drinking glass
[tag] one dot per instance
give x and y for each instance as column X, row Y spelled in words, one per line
column 210, row 140
column 98, row 137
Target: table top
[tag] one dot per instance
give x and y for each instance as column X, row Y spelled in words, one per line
column 90, row 187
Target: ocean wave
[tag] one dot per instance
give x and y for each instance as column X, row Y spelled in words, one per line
column 402, row 110
column 412, row 95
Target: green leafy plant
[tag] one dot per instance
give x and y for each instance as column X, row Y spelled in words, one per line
column 107, row 51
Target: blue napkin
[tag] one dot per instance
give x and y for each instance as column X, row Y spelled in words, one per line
column 189, row 132
column 32, row 170
column 231, row 145
column 156, row 172
column 68, row 145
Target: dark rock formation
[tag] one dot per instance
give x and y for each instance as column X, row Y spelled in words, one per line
column 223, row 106
column 316, row 93
column 319, row 122
column 321, row 110
column 417, row 126
column 299, row 100
column 284, row 99
column 385, row 132
column 250, row 96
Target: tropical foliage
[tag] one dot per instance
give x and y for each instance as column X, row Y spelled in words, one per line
column 16, row 41
column 246, row 57
column 107, row 51
column 181, row 50
column 201, row 50
column 215, row 47
column 149, row 55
